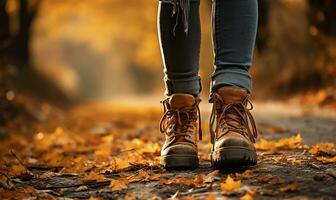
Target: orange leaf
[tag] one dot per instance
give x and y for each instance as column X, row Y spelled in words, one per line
column 119, row 184
column 245, row 175
column 93, row 176
column 321, row 149
column 247, row 196
column 17, row 170
column 289, row 188
column 326, row 160
column 282, row 144
column 230, row 185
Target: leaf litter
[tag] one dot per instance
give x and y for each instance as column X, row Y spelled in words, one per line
column 122, row 154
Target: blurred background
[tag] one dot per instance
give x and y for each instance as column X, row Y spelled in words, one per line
column 70, row 50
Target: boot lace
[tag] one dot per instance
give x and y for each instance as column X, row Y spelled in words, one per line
column 180, row 121
column 231, row 114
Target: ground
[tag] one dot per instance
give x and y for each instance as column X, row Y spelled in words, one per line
column 111, row 151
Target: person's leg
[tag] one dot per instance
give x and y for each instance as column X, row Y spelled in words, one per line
column 232, row 127
column 180, row 35
column 180, row 39
column 234, row 33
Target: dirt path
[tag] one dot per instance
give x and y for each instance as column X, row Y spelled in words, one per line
column 111, row 151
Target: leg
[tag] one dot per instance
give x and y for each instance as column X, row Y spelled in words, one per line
column 232, row 127
column 180, row 35
column 234, row 33
column 180, row 49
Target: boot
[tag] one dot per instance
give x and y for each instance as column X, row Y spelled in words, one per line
column 179, row 124
column 233, row 129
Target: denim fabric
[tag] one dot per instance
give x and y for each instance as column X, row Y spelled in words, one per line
column 234, row 33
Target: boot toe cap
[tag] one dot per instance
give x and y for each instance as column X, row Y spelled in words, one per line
column 234, row 142
column 180, row 149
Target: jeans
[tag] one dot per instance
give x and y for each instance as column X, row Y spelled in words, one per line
column 234, row 24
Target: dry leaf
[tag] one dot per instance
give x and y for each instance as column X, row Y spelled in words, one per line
column 94, row 198
column 269, row 179
column 245, row 175
column 247, row 196
column 323, row 149
column 82, row 188
column 119, row 184
column 211, row 177
column 289, row 188
column 326, row 160
column 211, row 196
column 120, row 164
column 196, row 182
column 93, row 176
column 230, row 185
column 17, row 170
column 282, row 144
column 294, row 161
column 188, row 198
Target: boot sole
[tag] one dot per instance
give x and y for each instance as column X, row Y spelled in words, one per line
column 180, row 162
column 233, row 157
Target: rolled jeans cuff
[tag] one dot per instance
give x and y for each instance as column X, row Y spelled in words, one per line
column 238, row 77
column 191, row 86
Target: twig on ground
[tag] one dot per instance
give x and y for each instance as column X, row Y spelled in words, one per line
column 21, row 163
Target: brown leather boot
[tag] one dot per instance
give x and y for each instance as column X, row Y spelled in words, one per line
column 179, row 124
column 233, row 129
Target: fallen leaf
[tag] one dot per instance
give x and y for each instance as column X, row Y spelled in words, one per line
column 196, row 182
column 188, row 198
column 93, row 176
column 326, row 160
column 294, row 161
column 247, row 196
column 211, row 196
column 17, row 170
column 118, row 184
column 289, row 188
column 245, row 175
column 323, row 149
column 82, row 188
column 120, row 164
column 282, row 144
column 230, row 185
column 269, row 179
column 130, row 196
column 94, row 198
column 211, row 177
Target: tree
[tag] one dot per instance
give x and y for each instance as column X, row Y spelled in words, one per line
column 15, row 51
column 16, row 45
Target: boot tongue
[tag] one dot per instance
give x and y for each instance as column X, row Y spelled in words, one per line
column 181, row 101
column 232, row 94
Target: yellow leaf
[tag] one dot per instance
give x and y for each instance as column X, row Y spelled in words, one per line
column 321, row 149
column 118, row 184
column 211, row 196
column 17, row 170
column 141, row 176
column 326, row 160
column 282, row 144
column 93, row 176
column 121, row 164
column 230, row 185
column 196, row 182
column 247, row 196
